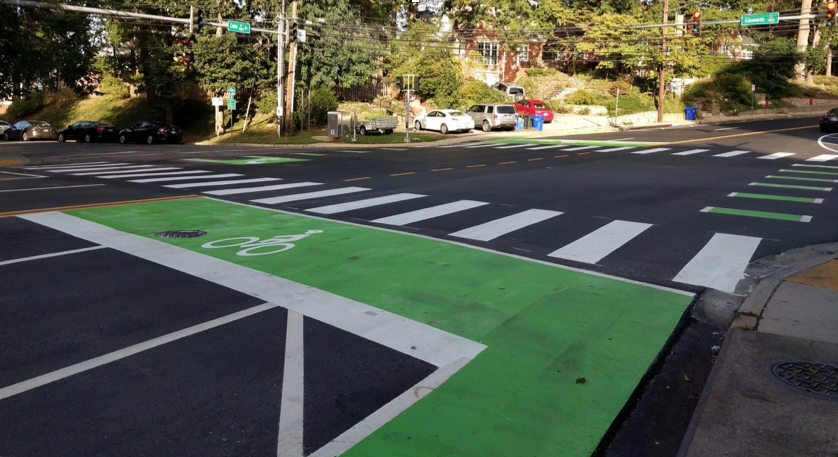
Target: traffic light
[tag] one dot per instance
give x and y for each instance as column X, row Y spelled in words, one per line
column 831, row 6
column 695, row 22
column 292, row 32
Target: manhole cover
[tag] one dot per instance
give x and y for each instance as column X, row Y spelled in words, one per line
column 181, row 234
column 816, row 378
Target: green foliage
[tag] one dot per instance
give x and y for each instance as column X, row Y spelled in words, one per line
column 558, row 107
column 623, row 86
column 536, row 72
column 113, row 88
column 584, row 97
column 267, row 103
column 474, row 92
column 23, row 107
column 217, row 68
column 673, row 104
column 632, row 102
column 323, row 100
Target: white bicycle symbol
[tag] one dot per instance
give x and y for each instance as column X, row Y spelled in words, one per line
column 254, row 246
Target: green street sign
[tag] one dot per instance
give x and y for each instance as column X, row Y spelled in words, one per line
column 761, row 19
column 238, row 27
column 231, row 91
column 231, row 105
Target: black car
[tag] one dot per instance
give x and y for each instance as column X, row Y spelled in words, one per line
column 88, row 131
column 829, row 121
column 30, row 130
column 151, row 132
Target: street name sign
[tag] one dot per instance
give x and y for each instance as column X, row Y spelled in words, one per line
column 231, row 91
column 231, row 105
column 238, row 27
column 761, row 19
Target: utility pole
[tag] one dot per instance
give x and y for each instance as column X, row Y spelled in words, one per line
column 802, row 39
column 280, row 69
column 662, row 74
column 292, row 65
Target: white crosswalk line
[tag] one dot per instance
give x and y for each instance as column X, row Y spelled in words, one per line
column 690, row 152
column 157, row 173
column 776, row 155
column 581, row 148
column 220, row 183
column 621, row 148
column 721, row 262
column 549, row 146
column 498, row 227
column 69, row 170
column 731, row 154
column 246, row 190
column 359, row 204
column 650, row 151
column 138, row 169
column 85, row 164
column 478, row 145
column 184, row 178
column 822, row 158
column 310, row 195
column 598, row 244
column 522, row 145
column 460, row 145
column 429, row 213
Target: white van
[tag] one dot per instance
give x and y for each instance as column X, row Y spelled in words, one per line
column 511, row 90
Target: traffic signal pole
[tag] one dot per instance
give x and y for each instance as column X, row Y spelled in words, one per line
column 662, row 74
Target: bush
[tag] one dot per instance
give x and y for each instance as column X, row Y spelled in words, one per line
column 535, row 72
column 323, row 100
column 474, row 92
column 583, row 97
column 623, row 86
column 25, row 106
column 673, row 104
column 558, row 107
column 113, row 88
column 266, row 104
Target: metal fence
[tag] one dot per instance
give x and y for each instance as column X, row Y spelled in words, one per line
column 365, row 92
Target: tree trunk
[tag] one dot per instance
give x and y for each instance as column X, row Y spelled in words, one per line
column 810, row 74
column 802, row 40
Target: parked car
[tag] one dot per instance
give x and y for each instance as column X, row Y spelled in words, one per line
column 529, row 107
column 151, row 132
column 444, row 120
column 30, row 130
column 829, row 121
column 511, row 90
column 3, row 127
column 88, row 131
column 490, row 117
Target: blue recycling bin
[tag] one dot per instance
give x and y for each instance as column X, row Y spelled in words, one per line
column 519, row 122
column 538, row 122
column 689, row 113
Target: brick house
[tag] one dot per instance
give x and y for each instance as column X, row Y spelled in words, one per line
column 489, row 59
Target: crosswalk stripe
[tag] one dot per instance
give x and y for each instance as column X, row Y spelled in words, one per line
column 498, row 227
column 549, row 146
column 581, row 148
column 800, row 178
column 522, row 145
column 650, row 151
column 429, row 213
column 359, row 204
column 598, row 244
column 184, row 178
column 138, row 169
column 621, row 148
column 822, row 158
column 829, row 167
column 731, row 154
column 690, row 152
column 246, row 190
column 460, row 145
column 721, row 262
column 776, row 155
column 68, row 170
column 220, row 183
column 478, row 145
column 85, row 164
column 310, row 195
column 157, row 173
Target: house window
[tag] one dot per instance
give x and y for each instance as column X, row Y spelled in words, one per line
column 522, row 54
column 488, row 50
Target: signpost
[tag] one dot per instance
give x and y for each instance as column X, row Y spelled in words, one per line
column 238, row 27
column 760, row 19
column 231, row 105
column 231, row 91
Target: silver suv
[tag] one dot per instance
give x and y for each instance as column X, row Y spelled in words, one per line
column 490, row 117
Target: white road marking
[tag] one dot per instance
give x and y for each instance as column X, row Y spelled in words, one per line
column 582, row 148
column 498, row 227
column 460, row 145
column 776, row 155
column 28, row 177
column 650, row 151
column 111, row 167
column 478, row 145
column 690, row 152
column 726, row 128
column 310, row 195
column 166, row 173
column 220, row 183
column 138, row 169
column 50, row 188
column 731, row 154
column 184, row 178
column 359, row 204
column 21, row 174
column 830, row 167
column 549, row 146
column 822, row 158
column 86, row 164
column 47, row 256
column 247, row 190
column 800, row 178
column 291, row 418
column 721, row 262
column 623, row 139
column 598, row 244
column 621, row 148
column 522, row 145
column 429, row 213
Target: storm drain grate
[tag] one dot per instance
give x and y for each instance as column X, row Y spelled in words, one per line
column 816, row 378
column 181, row 234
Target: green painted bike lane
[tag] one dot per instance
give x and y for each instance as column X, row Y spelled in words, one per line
column 565, row 349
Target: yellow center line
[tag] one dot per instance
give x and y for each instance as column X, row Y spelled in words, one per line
column 442, row 169
column 357, row 179
column 560, row 157
column 403, row 174
column 507, row 163
column 3, row 163
column 583, row 153
column 95, row 205
column 476, row 166
column 735, row 135
column 533, row 160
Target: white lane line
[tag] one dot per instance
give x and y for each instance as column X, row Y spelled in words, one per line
column 28, row 177
column 49, row 188
column 310, row 195
column 166, row 173
column 221, row 183
column 85, row 164
column 460, row 145
column 776, row 155
column 623, row 139
column 359, row 204
column 598, row 244
column 429, row 213
column 830, row 167
column 522, row 145
column 81, row 367
column 290, row 440
column 47, row 256
column 246, row 190
column 108, row 168
column 478, row 145
column 726, row 128
column 650, row 151
column 21, row 174
column 801, row 178
column 549, row 146
column 822, row 158
column 184, row 178
column 690, row 152
column 498, row 227
column 621, row 148
column 138, row 169
column 721, row 262
column 582, row 148
column 731, row 154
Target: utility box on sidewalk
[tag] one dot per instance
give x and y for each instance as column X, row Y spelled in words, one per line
column 339, row 123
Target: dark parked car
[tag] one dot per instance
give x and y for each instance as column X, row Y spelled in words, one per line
column 88, row 131
column 4, row 126
column 829, row 121
column 151, row 132
column 30, row 130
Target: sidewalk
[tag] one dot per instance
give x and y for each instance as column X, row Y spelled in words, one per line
column 774, row 388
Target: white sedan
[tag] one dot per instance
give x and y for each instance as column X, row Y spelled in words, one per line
column 445, row 120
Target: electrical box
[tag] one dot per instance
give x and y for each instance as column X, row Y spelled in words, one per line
column 339, row 123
